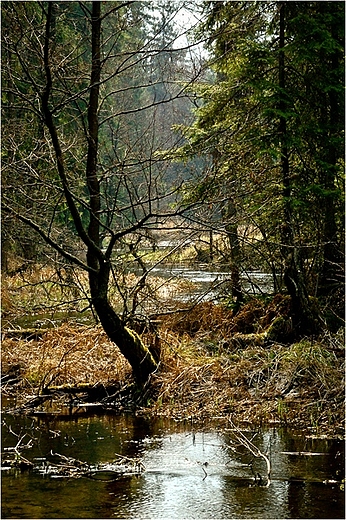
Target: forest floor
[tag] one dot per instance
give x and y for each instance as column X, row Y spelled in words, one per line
column 213, row 365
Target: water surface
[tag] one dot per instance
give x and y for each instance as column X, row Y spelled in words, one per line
column 190, row 471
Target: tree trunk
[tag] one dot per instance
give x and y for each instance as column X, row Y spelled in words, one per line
column 305, row 320
column 233, row 238
column 130, row 344
column 98, row 263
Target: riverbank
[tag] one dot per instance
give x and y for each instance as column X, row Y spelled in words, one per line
column 207, row 370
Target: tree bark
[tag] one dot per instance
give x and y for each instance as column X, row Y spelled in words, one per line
column 129, row 343
column 233, row 239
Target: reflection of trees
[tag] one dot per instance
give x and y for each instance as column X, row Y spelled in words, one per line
column 175, row 484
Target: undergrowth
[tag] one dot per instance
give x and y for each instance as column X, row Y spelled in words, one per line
column 200, row 374
column 300, row 384
column 48, row 290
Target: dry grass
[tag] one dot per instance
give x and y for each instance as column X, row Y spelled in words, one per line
column 51, row 290
column 299, row 385
column 203, row 318
column 41, row 289
column 254, row 317
column 155, row 291
column 201, row 375
column 65, row 356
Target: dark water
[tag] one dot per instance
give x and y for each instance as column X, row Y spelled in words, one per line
column 177, row 482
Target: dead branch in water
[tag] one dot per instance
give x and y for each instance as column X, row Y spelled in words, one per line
column 18, row 460
column 253, row 449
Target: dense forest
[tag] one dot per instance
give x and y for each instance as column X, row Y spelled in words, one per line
column 127, row 122
column 272, row 122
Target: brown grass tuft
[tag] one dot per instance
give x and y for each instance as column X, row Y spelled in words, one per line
column 204, row 317
column 66, row 356
column 299, row 385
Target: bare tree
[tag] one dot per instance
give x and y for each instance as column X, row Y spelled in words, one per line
column 83, row 162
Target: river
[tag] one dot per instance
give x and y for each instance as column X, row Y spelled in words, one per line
column 205, row 284
column 209, row 282
column 190, row 471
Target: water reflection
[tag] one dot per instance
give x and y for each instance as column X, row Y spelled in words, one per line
column 191, row 472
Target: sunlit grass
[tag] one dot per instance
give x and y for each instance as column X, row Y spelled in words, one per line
column 256, row 385
column 209, row 366
column 68, row 355
column 48, row 290
column 300, row 385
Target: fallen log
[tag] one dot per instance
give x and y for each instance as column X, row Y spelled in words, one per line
column 303, row 453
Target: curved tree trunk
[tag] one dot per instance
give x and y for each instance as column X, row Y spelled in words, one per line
column 129, row 343
column 98, row 263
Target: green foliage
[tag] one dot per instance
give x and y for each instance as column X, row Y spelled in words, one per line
column 260, row 86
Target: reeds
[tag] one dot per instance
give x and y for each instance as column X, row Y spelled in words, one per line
column 298, row 385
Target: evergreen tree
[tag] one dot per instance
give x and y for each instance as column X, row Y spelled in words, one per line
column 272, row 121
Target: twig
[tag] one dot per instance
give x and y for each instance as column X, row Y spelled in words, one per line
column 252, row 448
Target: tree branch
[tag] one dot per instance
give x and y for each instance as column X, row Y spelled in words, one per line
column 56, row 143
column 47, row 238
